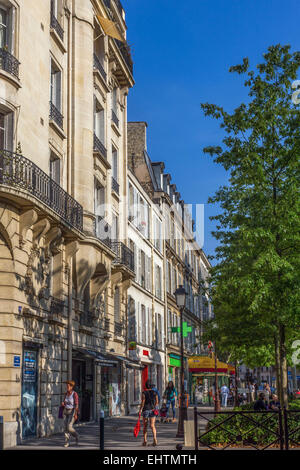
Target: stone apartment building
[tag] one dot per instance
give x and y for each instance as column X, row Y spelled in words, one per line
column 65, row 72
column 146, row 296
column 184, row 261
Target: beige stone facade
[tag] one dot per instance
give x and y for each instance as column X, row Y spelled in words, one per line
column 65, row 267
column 185, row 262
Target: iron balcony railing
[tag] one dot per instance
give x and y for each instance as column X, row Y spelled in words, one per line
column 118, row 328
column 106, row 324
column 115, row 185
column 19, row 172
column 57, row 306
column 86, row 319
column 99, row 147
column 125, row 256
column 54, row 23
column 107, row 3
column 98, row 66
column 119, row 6
column 114, row 118
column 56, row 115
column 9, row 63
column 124, row 50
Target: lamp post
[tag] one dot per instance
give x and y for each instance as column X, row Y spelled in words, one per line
column 180, row 295
column 217, row 396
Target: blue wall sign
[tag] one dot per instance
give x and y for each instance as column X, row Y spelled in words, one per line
column 17, row 361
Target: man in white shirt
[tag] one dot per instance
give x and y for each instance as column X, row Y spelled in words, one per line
column 224, row 394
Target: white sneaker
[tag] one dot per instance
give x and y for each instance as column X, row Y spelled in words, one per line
column 66, row 444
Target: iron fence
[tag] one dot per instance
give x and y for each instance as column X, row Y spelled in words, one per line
column 9, row 63
column 99, row 147
column 125, row 256
column 114, row 118
column 247, row 429
column 19, row 172
column 115, row 185
column 118, row 329
column 56, row 115
column 98, row 66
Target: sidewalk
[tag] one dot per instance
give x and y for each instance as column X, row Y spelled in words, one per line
column 118, row 435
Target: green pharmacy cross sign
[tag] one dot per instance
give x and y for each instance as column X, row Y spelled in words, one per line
column 185, row 330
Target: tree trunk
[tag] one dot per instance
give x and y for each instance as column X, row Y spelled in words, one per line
column 277, row 368
column 283, row 366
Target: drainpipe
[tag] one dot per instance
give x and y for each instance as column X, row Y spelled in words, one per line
column 70, row 322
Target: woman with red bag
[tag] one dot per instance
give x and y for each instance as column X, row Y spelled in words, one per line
column 149, row 410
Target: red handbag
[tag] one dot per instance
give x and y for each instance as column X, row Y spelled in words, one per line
column 137, row 428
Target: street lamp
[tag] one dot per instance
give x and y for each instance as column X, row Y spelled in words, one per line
column 180, row 295
column 217, row 396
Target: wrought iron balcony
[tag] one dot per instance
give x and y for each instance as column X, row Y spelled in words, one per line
column 98, row 66
column 114, row 118
column 87, row 319
column 54, row 23
column 106, row 324
column 99, row 147
column 9, row 63
column 107, row 3
column 19, row 172
column 124, row 49
column 57, row 306
column 119, row 6
column 56, row 115
column 118, row 329
column 115, row 185
column 125, row 256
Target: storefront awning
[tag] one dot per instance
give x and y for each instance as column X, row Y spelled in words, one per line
column 206, row 364
column 100, row 358
column 129, row 363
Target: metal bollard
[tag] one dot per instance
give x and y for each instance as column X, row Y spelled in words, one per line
column 1, row 433
column 101, row 430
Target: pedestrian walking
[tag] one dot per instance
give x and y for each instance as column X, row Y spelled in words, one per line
column 267, row 392
column 224, row 395
column 170, row 395
column 149, row 411
column 70, row 413
column 252, row 392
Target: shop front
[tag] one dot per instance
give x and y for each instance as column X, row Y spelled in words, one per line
column 29, row 397
column 202, row 378
column 84, row 373
column 174, row 371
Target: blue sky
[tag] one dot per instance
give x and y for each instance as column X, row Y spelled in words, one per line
column 182, row 51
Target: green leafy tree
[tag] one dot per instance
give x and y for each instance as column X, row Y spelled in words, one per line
column 255, row 284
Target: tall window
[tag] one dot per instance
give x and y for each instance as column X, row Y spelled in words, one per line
column 159, row 332
column 99, row 199
column 55, row 86
column 55, row 168
column 115, row 164
column 115, row 228
column 114, row 101
column 7, row 28
column 6, row 131
column 117, row 313
column 158, row 290
column 144, row 330
column 99, row 121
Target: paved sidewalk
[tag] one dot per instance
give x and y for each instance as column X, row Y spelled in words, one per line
column 118, row 435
